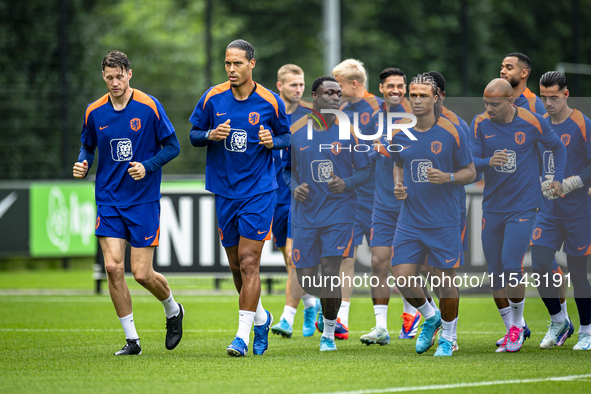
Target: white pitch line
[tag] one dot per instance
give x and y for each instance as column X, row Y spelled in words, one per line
column 91, row 330
column 463, row 385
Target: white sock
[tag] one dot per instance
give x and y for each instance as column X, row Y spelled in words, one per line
column 517, row 313
column 128, row 326
column 245, row 320
column 506, row 316
column 171, row 308
column 329, row 326
column 309, row 301
column 455, row 336
column 557, row 318
column 564, row 310
column 585, row 329
column 433, row 304
column 344, row 313
column 381, row 312
column 408, row 308
column 260, row 317
column 426, row 310
column 288, row 314
column 448, row 330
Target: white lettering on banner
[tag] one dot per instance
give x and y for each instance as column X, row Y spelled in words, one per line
column 64, row 222
column 207, row 231
column 178, row 232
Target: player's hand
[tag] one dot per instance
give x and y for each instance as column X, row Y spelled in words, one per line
column 499, row 159
column 221, row 132
column 589, row 192
column 400, row 191
column 556, row 188
column 337, row 185
column 80, row 169
column 376, row 144
column 265, row 137
column 437, row 177
column 301, row 192
column 137, row 170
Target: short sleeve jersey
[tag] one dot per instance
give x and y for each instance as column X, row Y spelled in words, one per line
column 531, row 102
column 364, row 110
column 573, row 133
column 384, row 186
column 131, row 134
column 516, row 185
column 444, row 147
column 239, row 166
column 313, row 161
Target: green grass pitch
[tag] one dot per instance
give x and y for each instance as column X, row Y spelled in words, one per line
column 65, row 344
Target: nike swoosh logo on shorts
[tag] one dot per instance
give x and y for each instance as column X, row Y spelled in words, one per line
column 449, row 261
column 583, row 247
column 340, row 247
column 489, row 136
column 218, row 114
column 147, row 238
column 523, row 220
column 262, row 232
column 103, row 127
column 305, row 147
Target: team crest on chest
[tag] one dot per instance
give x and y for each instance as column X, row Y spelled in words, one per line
column 520, row 137
column 253, row 118
column 565, row 138
column 336, row 148
column 436, row 147
column 135, row 124
column 364, row 118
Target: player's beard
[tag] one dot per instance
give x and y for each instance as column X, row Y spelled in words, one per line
column 514, row 81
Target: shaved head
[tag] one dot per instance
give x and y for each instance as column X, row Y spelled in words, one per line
column 498, row 87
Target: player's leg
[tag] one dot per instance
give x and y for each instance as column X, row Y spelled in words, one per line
column 348, row 273
column 577, row 267
column 449, row 303
column 114, row 255
column 380, row 269
column 493, row 229
column 518, row 232
column 330, row 300
column 577, row 253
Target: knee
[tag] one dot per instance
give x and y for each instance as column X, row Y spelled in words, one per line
column 142, row 277
column 379, row 268
column 249, row 265
column 114, row 268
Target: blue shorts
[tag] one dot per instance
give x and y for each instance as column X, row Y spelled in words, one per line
column 310, row 244
column 464, row 229
column 289, row 223
column 505, row 239
column 363, row 215
column 250, row 217
column 383, row 227
column 443, row 245
column 574, row 233
column 280, row 224
column 138, row 224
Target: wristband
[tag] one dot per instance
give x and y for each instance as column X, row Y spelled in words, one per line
column 207, row 134
column 451, row 176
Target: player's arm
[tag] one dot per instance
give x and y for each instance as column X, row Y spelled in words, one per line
column 552, row 142
column 476, row 144
column 170, row 149
column 281, row 136
column 464, row 176
column 399, row 188
column 85, row 160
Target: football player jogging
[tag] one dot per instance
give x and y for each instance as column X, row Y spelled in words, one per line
column 290, row 83
column 323, row 172
column 386, row 209
column 565, row 221
column 135, row 139
column 359, row 105
column 504, row 146
column 240, row 121
column 426, row 173
column 516, row 69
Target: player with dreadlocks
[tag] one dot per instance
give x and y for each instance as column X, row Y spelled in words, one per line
column 426, row 173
